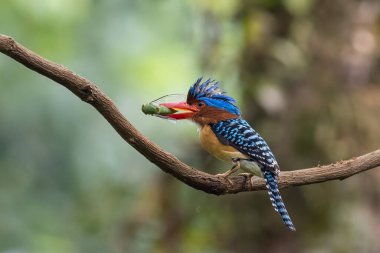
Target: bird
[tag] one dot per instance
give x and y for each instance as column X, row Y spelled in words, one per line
column 226, row 135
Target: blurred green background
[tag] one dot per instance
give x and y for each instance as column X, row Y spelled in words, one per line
column 305, row 72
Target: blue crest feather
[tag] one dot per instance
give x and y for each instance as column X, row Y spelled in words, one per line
column 210, row 93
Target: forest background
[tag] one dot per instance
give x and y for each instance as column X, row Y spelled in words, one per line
column 305, row 73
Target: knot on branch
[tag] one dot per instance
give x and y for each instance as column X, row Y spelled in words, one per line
column 87, row 93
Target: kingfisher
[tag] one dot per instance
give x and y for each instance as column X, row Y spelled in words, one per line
column 227, row 136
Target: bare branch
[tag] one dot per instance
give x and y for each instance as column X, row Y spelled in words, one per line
column 90, row 93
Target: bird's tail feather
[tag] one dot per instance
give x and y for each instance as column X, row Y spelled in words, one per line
column 275, row 197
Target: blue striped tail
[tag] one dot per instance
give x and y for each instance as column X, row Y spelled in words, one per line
column 275, row 197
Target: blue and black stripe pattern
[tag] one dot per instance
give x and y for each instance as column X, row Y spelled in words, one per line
column 239, row 134
column 275, row 198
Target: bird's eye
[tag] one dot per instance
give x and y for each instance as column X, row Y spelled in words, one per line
column 201, row 104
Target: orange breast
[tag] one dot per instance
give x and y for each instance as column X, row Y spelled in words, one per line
column 210, row 142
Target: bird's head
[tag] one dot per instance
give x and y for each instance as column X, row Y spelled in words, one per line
column 206, row 103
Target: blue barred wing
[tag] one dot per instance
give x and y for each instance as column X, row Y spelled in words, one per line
column 239, row 134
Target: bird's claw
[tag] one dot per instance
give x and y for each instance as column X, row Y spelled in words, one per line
column 225, row 175
column 234, row 168
column 248, row 176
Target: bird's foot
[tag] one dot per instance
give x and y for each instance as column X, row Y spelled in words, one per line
column 225, row 175
column 234, row 168
column 248, row 176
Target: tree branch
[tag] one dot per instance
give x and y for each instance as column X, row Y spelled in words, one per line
column 90, row 93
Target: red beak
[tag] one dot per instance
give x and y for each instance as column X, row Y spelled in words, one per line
column 183, row 110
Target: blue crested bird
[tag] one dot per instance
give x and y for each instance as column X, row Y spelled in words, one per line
column 228, row 137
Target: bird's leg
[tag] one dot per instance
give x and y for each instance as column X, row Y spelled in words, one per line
column 235, row 167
